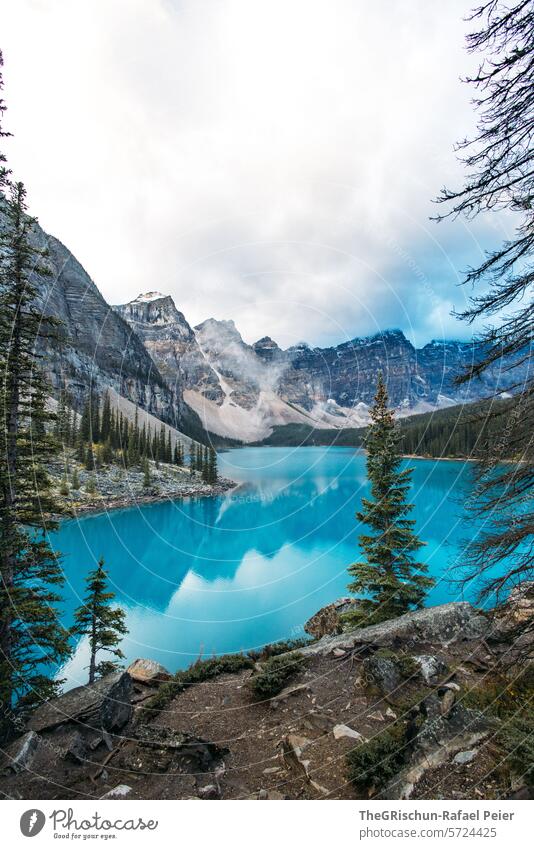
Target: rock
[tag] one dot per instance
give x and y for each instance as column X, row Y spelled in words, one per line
column 377, row 716
column 275, row 795
column 339, row 652
column 391, row 713
column 452, row 685
column 447, row 702
column 262, row 794
column 340, row 731
column 292, row 748
column 118, row 792
column 148, row 672
column 318, row 721
column 20, row 754
column 287, row 692
column 77, row 748
column 272, row 770
column 186, row 745
column 445, row 624
column 104, row 704
column 327, row 620
column 209, row 791
column 438, row 739
column 383, row 672
column 432, row 668
column 465, row 757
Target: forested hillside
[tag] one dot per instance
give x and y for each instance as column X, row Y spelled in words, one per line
column 458, row 431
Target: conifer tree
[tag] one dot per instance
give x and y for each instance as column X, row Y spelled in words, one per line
column 161, row 444
column 147, row 482
column 393, row 582
column 103, row 624
column 205, row 465
column 192, row 457
column 89, row 458
column 213, row 474
column 30, row 633
column 75, row 480
column 62, row 423
column 95, row 417
column 168, row 448
column 85, row 421
column 142, row 441
column 105, row 426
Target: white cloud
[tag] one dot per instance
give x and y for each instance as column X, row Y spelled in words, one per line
column 272, row 161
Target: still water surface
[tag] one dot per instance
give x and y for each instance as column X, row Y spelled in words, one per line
column 235, row 572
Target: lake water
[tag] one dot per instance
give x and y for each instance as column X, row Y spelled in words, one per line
column 232, row 573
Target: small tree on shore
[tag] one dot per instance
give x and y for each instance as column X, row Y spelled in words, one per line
column 102, row 623
column 147, row 481
column 391, row 580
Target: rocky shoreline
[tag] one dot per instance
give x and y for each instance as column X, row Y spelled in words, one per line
column 135, row 500
column 113, row 487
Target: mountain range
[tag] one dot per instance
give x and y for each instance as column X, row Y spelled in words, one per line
column 207, row 378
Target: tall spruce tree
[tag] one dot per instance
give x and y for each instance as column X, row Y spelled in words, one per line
column 31, row 636
column 390, row 579
column 103, row 624
column 213, row 474
column 105, row 425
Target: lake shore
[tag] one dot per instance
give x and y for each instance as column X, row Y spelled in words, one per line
column 104, row 505
column 81, row 492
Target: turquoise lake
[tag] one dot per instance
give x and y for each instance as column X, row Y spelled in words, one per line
column 216, row 575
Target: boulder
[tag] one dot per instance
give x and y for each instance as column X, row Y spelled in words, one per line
column 77, row 748
column 444, row 624
column 145, row 671
column 383, row 672
column 327, row 620
column 340, row 731
column 432, row 668
column 104, row 704
column 20, row 754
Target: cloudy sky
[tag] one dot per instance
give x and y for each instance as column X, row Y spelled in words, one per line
column 271, row 161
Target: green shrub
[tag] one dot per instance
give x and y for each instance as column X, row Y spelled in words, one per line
column 274, row 673
column 407, row 666
column 375, row 763
column 516, row 738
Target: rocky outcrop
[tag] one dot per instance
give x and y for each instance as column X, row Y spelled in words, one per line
column 105, row 704
column 93, row 345
column 327, row 620
column 172, row 344
column 448, row 728
column 444, row 624
column 325, row 387
column 144, row 671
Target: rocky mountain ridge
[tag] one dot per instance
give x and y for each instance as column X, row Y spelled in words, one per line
column 207, row 378
column 242, row 391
